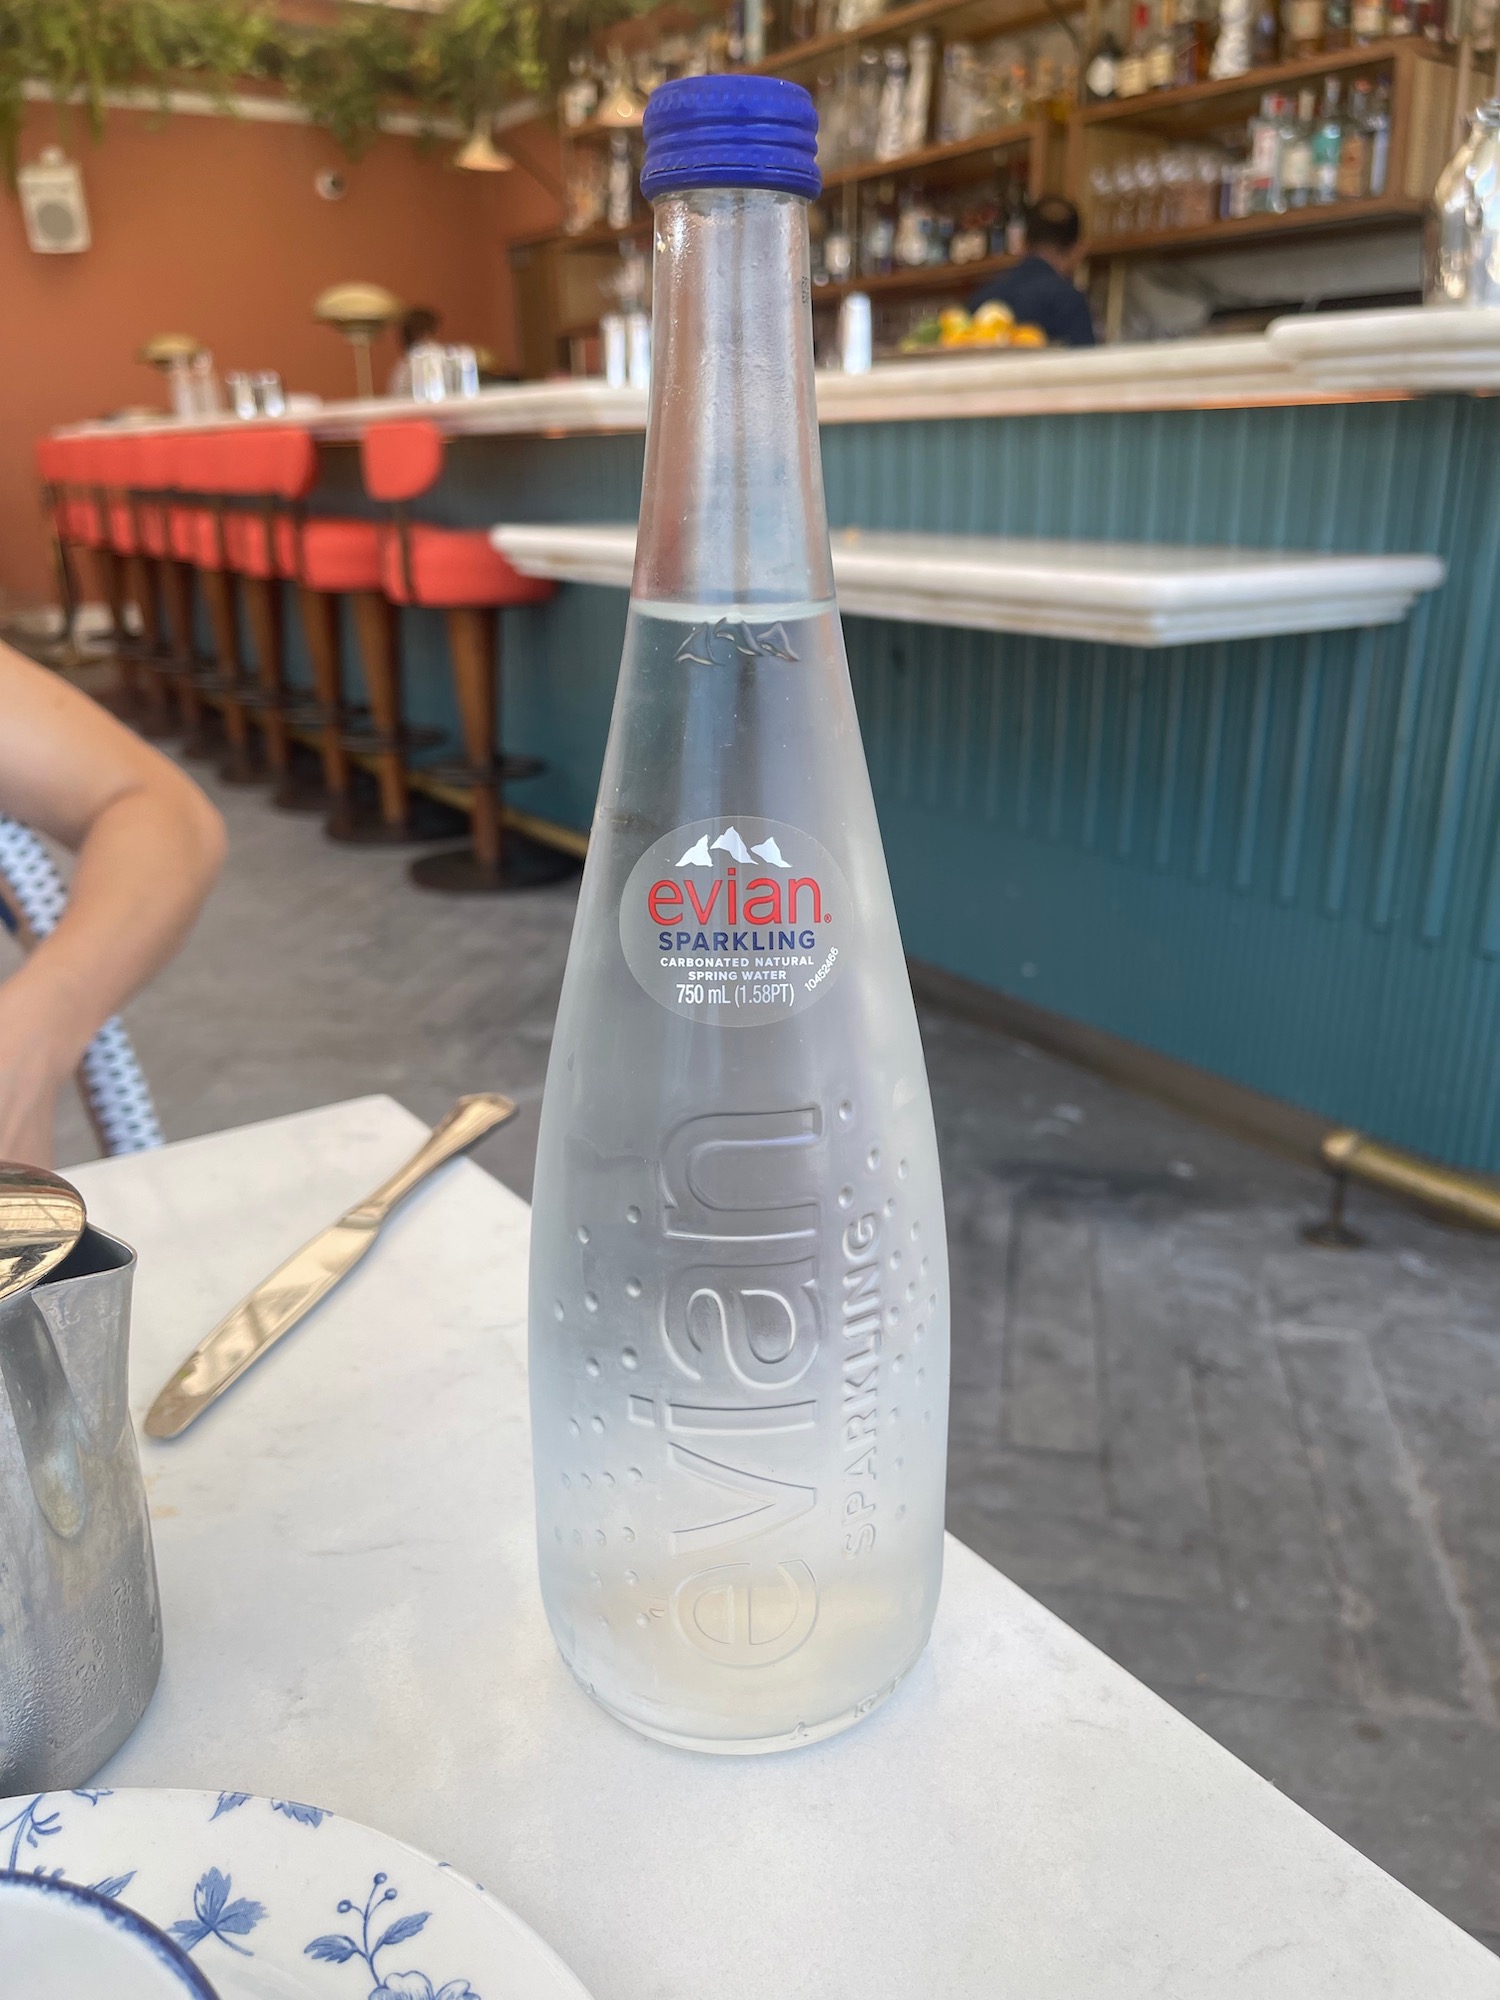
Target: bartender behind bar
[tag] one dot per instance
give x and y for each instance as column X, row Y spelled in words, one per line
column 1040, row 290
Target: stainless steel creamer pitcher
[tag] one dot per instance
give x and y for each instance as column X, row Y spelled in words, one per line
column 80, row 1623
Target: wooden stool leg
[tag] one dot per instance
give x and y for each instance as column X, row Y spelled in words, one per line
column 110, row 570
column 177, row 588
column 320, row 625
column 494, row 861
column 375, row 622
column 471, row 647
column 143, row 582
column 263, row 615
column 239, row 766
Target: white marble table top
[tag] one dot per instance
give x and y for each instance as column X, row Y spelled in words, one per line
column 1127, row 593
column 352, row 1618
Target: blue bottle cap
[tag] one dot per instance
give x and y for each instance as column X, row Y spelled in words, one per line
column 731, row 131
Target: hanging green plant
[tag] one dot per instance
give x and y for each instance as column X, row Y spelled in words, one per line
column 455, row 66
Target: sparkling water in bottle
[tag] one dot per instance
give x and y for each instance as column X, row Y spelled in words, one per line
column 739, row 1288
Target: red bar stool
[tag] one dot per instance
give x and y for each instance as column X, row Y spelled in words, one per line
column 134, row 463
column 70, row 520
column 198, row 536
column 329, row 559
column 169, row 533
column 138, row 584
column 254, row 465
column 459, row 572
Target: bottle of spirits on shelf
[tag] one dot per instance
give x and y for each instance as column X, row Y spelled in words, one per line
column 877, row 241
column 1161, row 47
column 916, row 105
column 1101, row 73
column 1354, row 153
column 620, row 199
column 1400, row 18
column 1265, row 35
column 1336, row 31
column 1132, row 79
column 1297, row 171
column 1380, row 136
column 579, row 95
column 1196, row 27
column 1267, row 135
column 1231, row 56
column 1302, row 27
column 1015, row 214
column 1367, row 19
column 1328, row 144
column 739, row 1497
column 892, row 99
column 914, row 228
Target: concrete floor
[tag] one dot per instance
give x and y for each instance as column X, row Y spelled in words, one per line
column 1263, row 1477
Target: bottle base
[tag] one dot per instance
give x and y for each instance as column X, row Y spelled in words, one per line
column 796, row 1738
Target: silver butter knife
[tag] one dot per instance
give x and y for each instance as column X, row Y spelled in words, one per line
column 289, row 1294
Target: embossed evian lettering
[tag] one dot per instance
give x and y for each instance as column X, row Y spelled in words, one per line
column 747, row 1614
column 776, row 1501
column 742, row 1323
column 860, row 1379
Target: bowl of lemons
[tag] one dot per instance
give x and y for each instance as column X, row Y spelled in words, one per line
column 988, row 327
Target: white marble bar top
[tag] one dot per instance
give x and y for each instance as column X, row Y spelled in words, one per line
column 1430, row 347
column 1310, row 358
column 349, row 1593
column 1129, row 594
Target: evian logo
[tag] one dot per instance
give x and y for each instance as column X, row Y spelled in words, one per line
column 740, row 920
column 735, row 898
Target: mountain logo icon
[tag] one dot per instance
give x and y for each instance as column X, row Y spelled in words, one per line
column 731, row 842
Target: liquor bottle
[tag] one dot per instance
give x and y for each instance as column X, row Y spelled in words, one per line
column 1380, row 136
column 1336, row 24
column 620, row 199
column 1328, row 143
column 1015, row 214
column 1265, row 36
column 1161, row 47
column 1367, row 21
column 1266, row 137
column 1302, row 27
column 1354, row 151
column 1297, row 171
column 1195, row 42
column 892, row 101
column 738, row 1285
column 1400, row 18
column 878, row 236
column 1101, row 74
column 1132, row 76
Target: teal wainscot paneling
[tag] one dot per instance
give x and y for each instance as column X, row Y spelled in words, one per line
column 1277, row 859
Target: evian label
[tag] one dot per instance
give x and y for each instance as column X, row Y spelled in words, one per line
column 737, row 921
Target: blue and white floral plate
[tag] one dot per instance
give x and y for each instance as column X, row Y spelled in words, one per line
column 274, row 1900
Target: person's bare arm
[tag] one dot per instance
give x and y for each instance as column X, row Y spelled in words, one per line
column 149, row 845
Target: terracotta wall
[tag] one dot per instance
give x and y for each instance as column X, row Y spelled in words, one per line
column 212, row 226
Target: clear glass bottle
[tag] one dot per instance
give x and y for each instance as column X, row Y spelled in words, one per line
column 1328, row 144
column 1354, row 153
column 1267, row 136
column 1461, row 247
column 1367, row 21
column 1297, row 171
column 1302, row 27
column 738, row 1279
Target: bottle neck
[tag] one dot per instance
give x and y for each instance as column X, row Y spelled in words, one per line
column 732, row 506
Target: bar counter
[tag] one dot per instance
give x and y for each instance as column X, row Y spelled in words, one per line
column 1273, row 858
